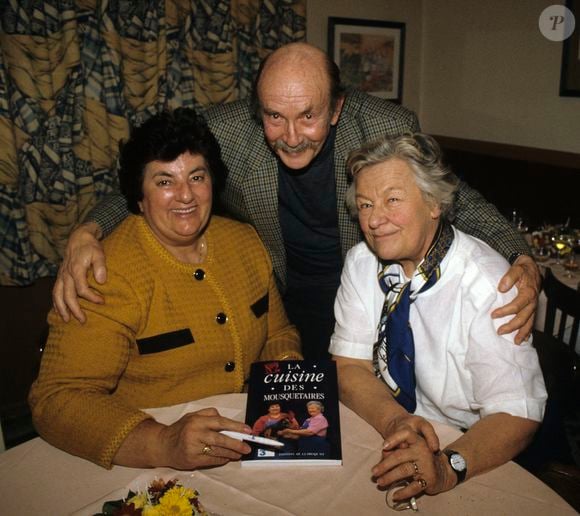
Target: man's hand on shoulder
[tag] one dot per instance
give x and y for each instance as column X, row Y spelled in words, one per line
column 525, row 276
column 83, row 252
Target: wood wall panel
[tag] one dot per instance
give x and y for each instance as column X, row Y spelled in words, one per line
column 544, row 185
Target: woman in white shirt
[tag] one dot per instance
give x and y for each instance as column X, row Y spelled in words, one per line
column 414, row 338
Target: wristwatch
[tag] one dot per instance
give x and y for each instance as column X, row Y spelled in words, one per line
column 457, row 463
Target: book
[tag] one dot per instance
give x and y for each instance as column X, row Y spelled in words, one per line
column 294, row 402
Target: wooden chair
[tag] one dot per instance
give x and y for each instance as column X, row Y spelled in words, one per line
column 560, row 365
column 23, row 331
column 553, row 455
column 567, row 300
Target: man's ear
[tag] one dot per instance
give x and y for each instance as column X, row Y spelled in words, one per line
column 337, row 111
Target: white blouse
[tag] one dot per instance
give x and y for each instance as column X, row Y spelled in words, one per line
column 464, row 369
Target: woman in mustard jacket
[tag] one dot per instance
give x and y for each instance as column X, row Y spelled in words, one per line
column 189, row 303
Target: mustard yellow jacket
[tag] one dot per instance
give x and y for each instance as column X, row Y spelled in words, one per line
column 168, row 333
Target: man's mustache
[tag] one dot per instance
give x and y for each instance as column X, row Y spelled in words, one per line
column 305, row 145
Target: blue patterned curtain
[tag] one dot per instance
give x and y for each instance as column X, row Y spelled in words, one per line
column 75, row 74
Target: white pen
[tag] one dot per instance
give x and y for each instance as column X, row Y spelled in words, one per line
column 251, row 438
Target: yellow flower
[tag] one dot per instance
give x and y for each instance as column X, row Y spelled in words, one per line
column 152, row 510
column 175, row 502
column 139, row 500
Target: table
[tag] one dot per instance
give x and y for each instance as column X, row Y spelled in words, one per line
column 560, row 272
column 38, row 479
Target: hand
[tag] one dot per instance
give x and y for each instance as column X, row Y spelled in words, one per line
column 525, row 275
column 82, row 252
column 183, row 442
column 287, row 433
column 406, row 455
column 416, row 424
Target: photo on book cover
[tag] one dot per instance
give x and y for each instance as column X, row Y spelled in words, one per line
column 294, row 402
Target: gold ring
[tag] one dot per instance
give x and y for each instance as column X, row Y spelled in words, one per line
column 207, row 449
column 422, row 483
column 416, row 467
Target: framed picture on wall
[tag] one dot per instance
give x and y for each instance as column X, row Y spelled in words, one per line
column 570, row 76
column 370, row 55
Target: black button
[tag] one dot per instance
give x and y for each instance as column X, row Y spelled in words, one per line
column 221, row 318
column 230, row 366
column 199, row 274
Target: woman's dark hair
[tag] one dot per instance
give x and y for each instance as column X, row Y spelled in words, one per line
column 164, row 137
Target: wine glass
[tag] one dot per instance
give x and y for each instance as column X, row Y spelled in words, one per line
column 541, row 253
column 540, row 246
column 562, row 244
column 519, row 222
column 571, row 265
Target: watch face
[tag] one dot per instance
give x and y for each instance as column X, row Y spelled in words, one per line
column 457, row 462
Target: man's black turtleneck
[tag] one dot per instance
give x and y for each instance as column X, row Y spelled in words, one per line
column 309, row 222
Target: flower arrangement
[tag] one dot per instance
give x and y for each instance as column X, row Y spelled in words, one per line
column 160, row 499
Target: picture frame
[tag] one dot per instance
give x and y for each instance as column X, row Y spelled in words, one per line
column 570, row 71
column 370, row 55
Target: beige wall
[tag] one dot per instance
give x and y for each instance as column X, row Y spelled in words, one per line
column 476, row 70
column 489, row 74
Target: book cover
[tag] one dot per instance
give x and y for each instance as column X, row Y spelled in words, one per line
column 294, row 402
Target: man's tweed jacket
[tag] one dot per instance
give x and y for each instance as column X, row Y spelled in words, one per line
column 251, row 192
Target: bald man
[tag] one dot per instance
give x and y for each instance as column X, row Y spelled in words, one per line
column 285, row 150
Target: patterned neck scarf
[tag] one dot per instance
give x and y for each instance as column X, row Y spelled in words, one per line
column 394, row 351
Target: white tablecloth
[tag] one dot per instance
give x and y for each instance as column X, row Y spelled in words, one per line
column 38, row 479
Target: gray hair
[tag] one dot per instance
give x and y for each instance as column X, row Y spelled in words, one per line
column 317, row 403
column 423, row 155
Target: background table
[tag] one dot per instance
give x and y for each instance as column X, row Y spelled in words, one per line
column 38, row 479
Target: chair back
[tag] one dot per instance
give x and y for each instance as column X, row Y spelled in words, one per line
column 567, row 300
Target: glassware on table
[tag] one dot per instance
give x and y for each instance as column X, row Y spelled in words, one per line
column 576, row 241
column 562, row 244
column 402, row 505
column 541, row 253
column 519, row 222
column 541, row 245
column 515, row 216
column 571, row 265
